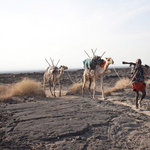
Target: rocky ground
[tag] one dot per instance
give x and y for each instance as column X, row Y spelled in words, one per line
column 73, row 121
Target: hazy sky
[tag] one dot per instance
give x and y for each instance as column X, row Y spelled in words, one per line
column 34, row 30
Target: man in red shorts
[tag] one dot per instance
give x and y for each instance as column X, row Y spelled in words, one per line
column 138, row 83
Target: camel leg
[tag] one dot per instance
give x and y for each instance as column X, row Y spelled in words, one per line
column 90, row 81
column 59, row 88
column 44, row 82
column 50, row 87
column 83, row 86
column 94, row 87
column 102, row 86
column 54, row 88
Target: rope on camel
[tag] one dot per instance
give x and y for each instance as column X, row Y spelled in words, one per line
column 70, row 77
column 121, row 79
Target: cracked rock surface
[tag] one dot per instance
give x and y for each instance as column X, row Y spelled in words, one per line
column 73, row 123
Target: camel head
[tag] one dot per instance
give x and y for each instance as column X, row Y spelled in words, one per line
column 109, row 60
column 63, row 67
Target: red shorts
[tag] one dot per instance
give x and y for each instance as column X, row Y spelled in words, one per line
column 139, row 86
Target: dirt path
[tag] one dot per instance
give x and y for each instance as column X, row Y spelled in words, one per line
column 140, row 110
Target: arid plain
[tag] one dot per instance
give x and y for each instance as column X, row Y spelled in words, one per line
column 72, row 121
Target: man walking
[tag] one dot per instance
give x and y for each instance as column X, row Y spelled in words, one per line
column 138, row 83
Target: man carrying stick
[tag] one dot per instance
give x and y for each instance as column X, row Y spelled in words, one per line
column 138, row 76
column 138, row 83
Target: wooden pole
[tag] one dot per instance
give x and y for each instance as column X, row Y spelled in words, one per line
column 93, row 52
column 52, row 62
column 57, row 62
column 102, row 54
column 48, row 62
column 87, row 54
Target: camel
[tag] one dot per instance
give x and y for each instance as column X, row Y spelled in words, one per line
column 98, row 73
column 52, row 74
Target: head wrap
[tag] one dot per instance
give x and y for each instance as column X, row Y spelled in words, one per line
column 138, row 61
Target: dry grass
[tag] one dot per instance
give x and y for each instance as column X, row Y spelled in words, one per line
column 75, row 89
column 24, row 87
column 5, row 92
column 122, row 84
column 107, row 92
column 119, row 86
column 27, row 87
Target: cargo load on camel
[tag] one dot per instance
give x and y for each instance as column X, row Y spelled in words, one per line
column 91, row 63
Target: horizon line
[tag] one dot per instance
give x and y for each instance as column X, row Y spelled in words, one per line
column 43, row 70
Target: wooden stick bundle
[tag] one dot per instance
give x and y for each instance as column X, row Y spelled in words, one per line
column 87, row 54
column 48, row 62
column 57, row 62
column 52, row 62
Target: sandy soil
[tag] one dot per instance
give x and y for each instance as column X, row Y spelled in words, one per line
column 72, row 121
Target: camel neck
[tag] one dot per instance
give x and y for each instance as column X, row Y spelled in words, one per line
column 106, row 66
column 61, row 73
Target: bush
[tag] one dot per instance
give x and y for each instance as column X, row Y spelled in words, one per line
column 75, row 89
column 5, row 92
column 119, row 86
column 24, row 87
column 27, row 87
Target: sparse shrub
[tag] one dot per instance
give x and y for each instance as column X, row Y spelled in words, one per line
column 3, row 89
column 24, row 87
column 123, row 83
column 27, row 87
column 4, row 92
column 107, row 92
column 119, row 86
column 75, row 89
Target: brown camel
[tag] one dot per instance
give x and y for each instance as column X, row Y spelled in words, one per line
column 53, row 74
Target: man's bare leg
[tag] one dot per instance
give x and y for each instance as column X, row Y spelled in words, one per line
column 142, row 97
column 136, row 99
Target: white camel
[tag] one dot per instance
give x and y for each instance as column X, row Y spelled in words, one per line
column 98, row 73
column 52, row 74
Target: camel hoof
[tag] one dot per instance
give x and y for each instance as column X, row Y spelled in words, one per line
column 104, row 98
